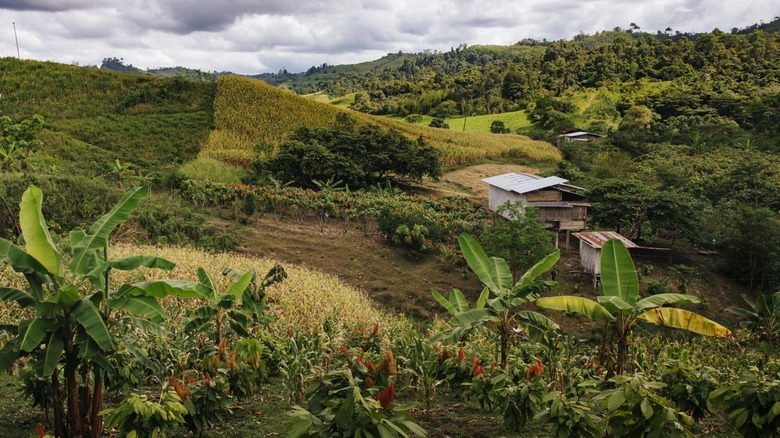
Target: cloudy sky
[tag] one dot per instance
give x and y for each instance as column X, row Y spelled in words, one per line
column 254, row 36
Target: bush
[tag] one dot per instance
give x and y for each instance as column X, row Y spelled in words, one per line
column 62, row 214
column 437, row 122
column 176, row 224
column 498, row 127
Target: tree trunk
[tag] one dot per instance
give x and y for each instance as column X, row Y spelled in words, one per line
column 59, row 417
column 95, row 420
column 71, row 388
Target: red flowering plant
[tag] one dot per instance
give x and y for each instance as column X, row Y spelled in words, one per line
column 343, row 403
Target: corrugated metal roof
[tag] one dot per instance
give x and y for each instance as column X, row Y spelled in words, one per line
column 597, row 239
column 578, row 134
column 523, row 182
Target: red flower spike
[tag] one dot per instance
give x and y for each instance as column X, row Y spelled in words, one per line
column 376, row 329
column 386, row 397
column 41, row 431
column 461, row 354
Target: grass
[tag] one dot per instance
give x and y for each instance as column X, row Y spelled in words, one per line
column 512, row 121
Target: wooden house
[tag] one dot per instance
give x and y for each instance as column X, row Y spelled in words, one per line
column 590, row 249
column 561, row 206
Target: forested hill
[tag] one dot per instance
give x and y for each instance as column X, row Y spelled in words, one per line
column 725, row 78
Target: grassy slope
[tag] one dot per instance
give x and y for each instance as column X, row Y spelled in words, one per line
column 95, row 116
column 248, row 112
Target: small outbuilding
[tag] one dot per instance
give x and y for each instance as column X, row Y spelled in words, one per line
column 561, row 206
column 590, row 249
column 579, row 136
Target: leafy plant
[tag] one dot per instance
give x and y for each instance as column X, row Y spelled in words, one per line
column 520, row 396
column 620, row 307
column 338, row 406
column 503, row 308
column 634, row 409
column 70, row 333
column 570, row 416
column 137, row 416
column 762, row 317
column 689, row 387
column 752, row 404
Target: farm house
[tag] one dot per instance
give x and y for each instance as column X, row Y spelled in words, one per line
column 590, row 249
column 561, row 206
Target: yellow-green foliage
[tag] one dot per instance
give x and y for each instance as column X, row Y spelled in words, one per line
column 304, row 300
column 248, row 112
column 209, row 169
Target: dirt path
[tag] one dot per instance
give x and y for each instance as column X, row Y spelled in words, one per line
column 468, row 181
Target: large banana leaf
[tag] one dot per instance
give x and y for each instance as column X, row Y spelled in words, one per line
column 664, row 300
column 19, row 260
column 492, row 272
column 37, row 239
column 237, row 289
column 8, row 354
column 686, row 320
column 139, row 306
column 537, row 319
column 89, row 317
column 444, row 302
column 571, row 304
column 618, row 274
column 31, row 335
column 472, row 317
column 538, row 269
column 97, row 235
column 163, row 288
column 21, row 298
column 51, row 356
column 95, row 276
column 206, row 280
column 615, row 304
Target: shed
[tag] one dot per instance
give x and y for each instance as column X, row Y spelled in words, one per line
column 579, row 136
column 561, row 206
column 590, row 249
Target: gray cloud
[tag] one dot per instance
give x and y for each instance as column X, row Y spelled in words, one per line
column 251, row 36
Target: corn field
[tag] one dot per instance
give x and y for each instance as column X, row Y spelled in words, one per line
column 248, row 113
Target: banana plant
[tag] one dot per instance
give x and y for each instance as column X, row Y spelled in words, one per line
column 75, row 308
column 763, row 316
column 241, row 305
column 500, row 300
column 620, row 308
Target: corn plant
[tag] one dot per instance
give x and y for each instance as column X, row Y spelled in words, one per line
column 75, row 308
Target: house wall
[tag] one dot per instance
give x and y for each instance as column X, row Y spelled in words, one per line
column 544, row 196
column 590, row 258
column 498, row 197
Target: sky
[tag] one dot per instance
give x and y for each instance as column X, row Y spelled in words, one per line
column 257, row 36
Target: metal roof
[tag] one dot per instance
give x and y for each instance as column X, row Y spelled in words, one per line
column 523, row 182
column 597, row 239
column 578, row 134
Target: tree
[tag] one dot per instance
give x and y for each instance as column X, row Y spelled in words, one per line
column 502, row 310
column 437, row 122
column 497, row 127
column 521, row 241
column 70, row 332
column 620, row 308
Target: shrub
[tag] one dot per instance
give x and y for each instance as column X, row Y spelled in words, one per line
column 437, row 122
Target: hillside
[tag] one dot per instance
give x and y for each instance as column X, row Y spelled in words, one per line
column 251, row 117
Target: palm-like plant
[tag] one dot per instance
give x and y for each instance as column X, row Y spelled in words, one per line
column 620, row 308
column 500, row 300
column 763, row 316
column 75, row 308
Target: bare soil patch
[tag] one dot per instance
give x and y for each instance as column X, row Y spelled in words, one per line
column 468, row 180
